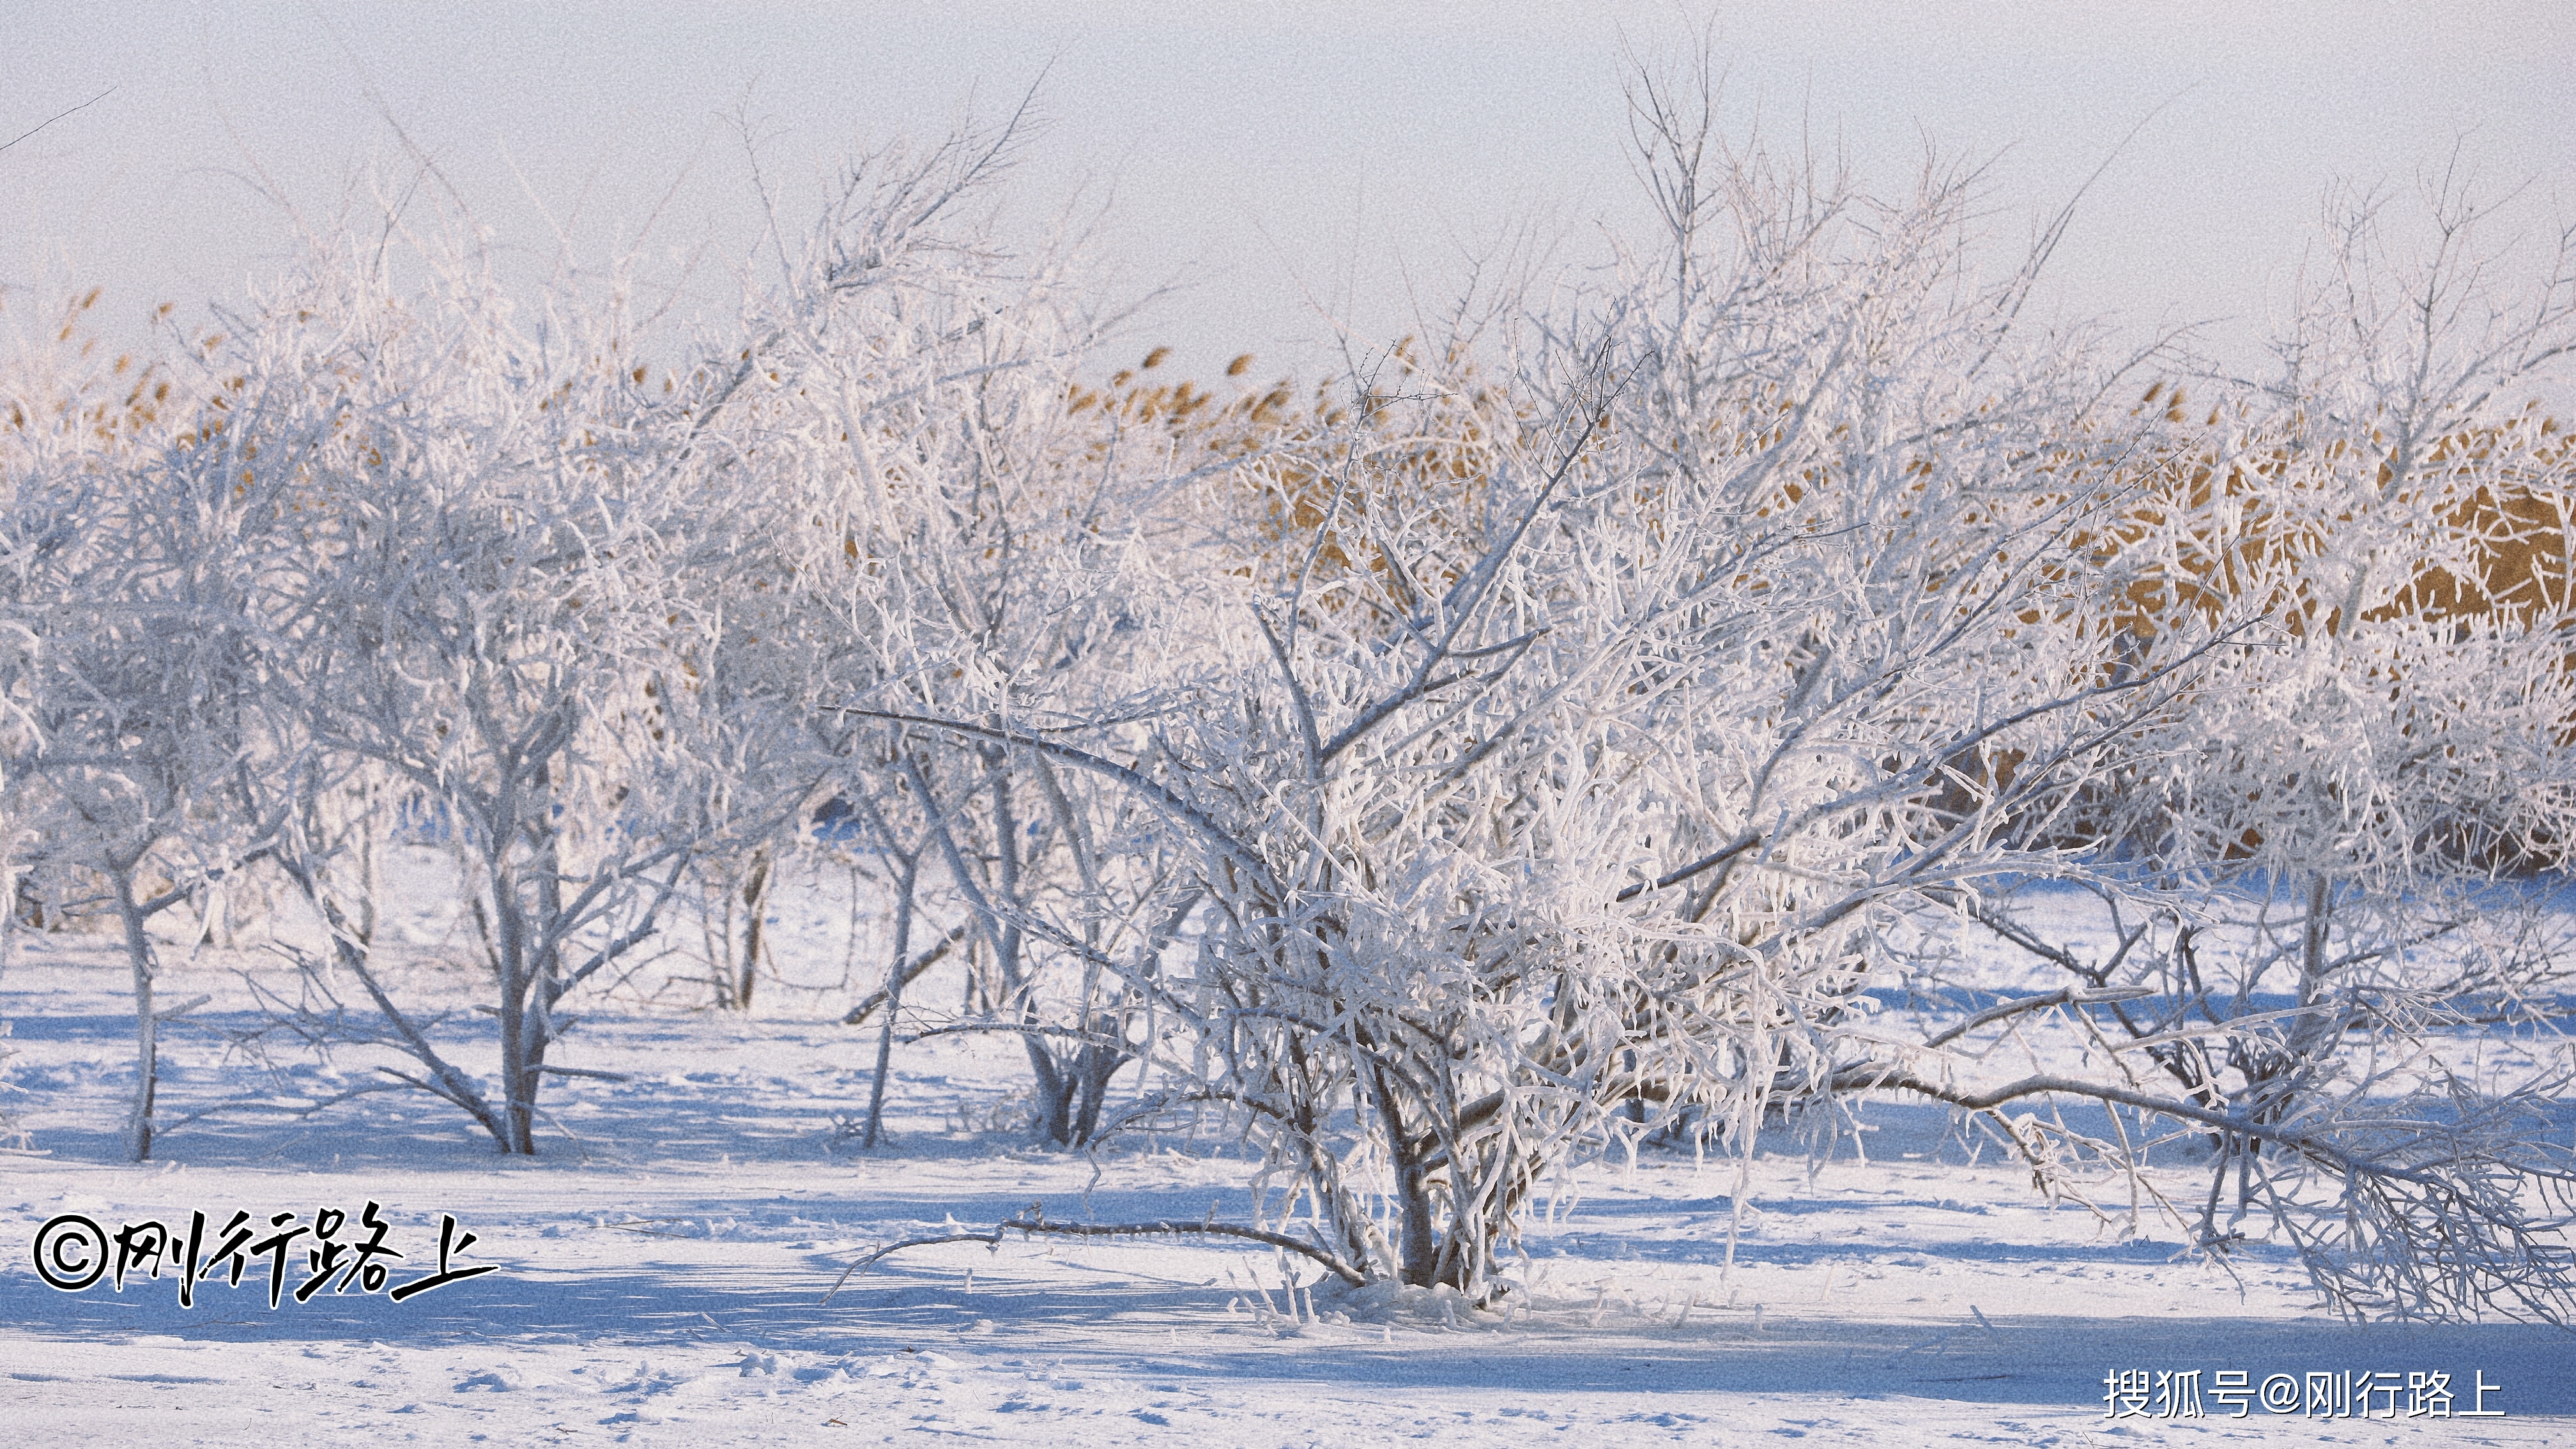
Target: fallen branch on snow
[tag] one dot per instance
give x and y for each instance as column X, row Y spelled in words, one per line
column 1032, row 1222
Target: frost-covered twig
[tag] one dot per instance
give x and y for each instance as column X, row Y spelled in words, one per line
column 1032, row 1223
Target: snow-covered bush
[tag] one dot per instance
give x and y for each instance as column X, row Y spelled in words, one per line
column 506, row 615
column 1567, row 733
column 951, row 541
column 1550, row 738
column 131, row 579
column 2333, row 857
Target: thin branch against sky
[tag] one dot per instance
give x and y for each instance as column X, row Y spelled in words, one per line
column 83, row 106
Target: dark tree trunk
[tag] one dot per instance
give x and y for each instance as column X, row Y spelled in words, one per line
column 895, row 976
column 755, row 901
column 147, row 1033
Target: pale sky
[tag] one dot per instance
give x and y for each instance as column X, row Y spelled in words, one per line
column 1273, row 159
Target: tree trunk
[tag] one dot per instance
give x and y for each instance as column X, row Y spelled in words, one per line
column 147, row 1037
column 895, row 975
column 755, row 900
column 522, row 1046
column 1093, row 1069
column 2315, row 935
column 1418, row 1246
column 1054, row 1085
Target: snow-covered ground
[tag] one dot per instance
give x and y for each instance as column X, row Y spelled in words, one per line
column 662, row 1270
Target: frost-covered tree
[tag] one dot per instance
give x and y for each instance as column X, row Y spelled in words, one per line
column 1550, row 739
column 132, row 587
column 953, row 542
column 2315, row 874
column 509, row 614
